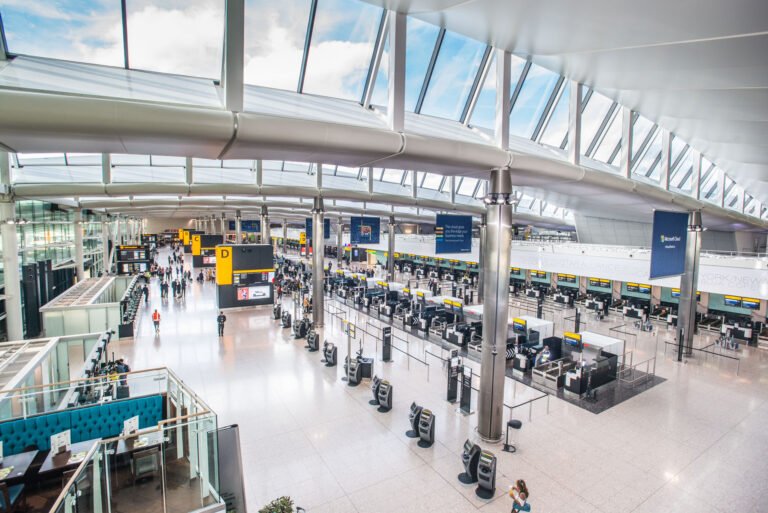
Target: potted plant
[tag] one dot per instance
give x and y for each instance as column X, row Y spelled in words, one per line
column 280, row 505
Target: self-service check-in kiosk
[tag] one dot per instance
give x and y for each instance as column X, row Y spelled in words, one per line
column 313, row 341
column 385, row 396
column 426, row 428
column 330, row 354
column 470, row 457
column 414, row 416
column 375, row 383
column 277, row 311
column 486, row 475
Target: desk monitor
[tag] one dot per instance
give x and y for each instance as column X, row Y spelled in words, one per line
column 131, row 426
column 519, row 326
column 750, row 303
column 573, row 340
column 61, row 442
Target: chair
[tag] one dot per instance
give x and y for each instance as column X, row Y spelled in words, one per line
column 145, row 463
column 10, row 497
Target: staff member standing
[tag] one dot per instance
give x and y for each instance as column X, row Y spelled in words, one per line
column 220, row 320
column 156, row 320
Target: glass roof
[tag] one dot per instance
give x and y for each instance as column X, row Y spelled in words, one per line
column 274, row 41
column 530, row 104
column 445, row 73
column 341, row 48
column 456, row 67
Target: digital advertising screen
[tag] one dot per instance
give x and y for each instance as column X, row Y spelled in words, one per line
column 209, row 260
column 732, row 301
column 519, row 325
column 365, row 230
column 254, row 292
column 453, row 234
column 751, row 303
column 670, row 234
column 308, row 228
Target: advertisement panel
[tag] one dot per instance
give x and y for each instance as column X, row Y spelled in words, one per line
column 453, row 234
column 365, row 230
column 250, row 226
column 326, row 228
column 670, row 234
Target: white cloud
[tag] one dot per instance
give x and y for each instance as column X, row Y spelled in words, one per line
column 278, row 60
column 338, row 68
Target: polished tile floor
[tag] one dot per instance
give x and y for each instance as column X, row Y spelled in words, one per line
column 697, row 442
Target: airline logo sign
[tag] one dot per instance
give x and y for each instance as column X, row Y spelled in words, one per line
column 670, row 236
column 223, row 265
column 303, row 238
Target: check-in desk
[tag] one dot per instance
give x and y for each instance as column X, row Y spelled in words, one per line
column 635, row 312
column 563, row 299
column 552, row 374
column 598, row 357
column 737, row 331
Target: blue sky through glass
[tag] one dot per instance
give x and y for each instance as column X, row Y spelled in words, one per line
column 274, row 42
column 342, row 45
column 76, row 30
column 484, row 114
column 455, row 70
column 531, row 102
column 557, row 127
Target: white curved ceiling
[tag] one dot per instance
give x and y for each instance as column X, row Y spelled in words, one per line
column 699, row 68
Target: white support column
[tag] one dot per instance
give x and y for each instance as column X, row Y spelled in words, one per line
column 285, row 237
column 740, row 201
column 190, row 171
column 233, row 63
column 370, row 180
column 339, row 243
column 625, row 164
column 106, row 168
column 414, row 184
column 391, row 249
column 666, row 150
column 574, row 123
column 265, row 238
column 721, row 197
column 77, row 226
column 452, row 184
column 396, row 76
column 503, row 78
column 318, row 263
column 223, row 224
column 259, row 173
column 105, row 244
column 696, row 174
column 238, row 228
column 319, row 177
column 11, row 272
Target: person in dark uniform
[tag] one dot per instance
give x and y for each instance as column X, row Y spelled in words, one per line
column 220, row 320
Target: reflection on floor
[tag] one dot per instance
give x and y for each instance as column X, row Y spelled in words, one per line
column 695, row 442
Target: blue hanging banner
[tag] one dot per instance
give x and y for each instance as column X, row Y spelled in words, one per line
column 365, row 230
column 247, row 226
column 308, row 228
column 670, row 235
column 453, row 234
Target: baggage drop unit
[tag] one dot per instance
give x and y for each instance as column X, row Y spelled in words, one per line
column 391, row 299
column 597, row 360
column 469, row 330
column 529, row 334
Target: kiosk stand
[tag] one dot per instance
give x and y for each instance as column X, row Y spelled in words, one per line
column 414, row 416
column 465, row 404
column 452, row 386
column 385, row 396
column 486, row 475
column 470, row 457
column 426, row 429
column 375, row 390
column 386, row 344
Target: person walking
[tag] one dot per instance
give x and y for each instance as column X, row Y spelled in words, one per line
column 145, row 291
column 156, row 320
column 220, row 320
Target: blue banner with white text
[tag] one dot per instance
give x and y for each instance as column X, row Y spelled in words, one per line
column 308, row 229
column 670, row 235
column 250, row 226
column 365, row 230
column 453, row 234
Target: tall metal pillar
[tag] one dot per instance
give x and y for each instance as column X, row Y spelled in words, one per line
column 105, row 244
column 574, row 123
column 238, row 228
column 223, row 224
column 481, row 258
column 340, row 243
column 79, row 251
column 391, row 248
column 396, row 75
column 13, row 321
column 285, row 237
column 264, row 225
column 318, row 254
column 496, row 306
column 689, row 282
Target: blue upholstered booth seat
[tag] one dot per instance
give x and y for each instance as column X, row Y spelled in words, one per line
column 87, row 423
